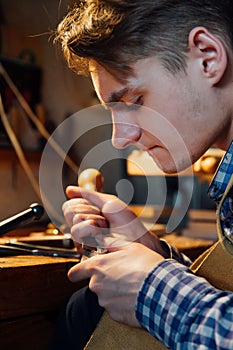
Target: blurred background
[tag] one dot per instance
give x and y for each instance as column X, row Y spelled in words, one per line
column 54, row 92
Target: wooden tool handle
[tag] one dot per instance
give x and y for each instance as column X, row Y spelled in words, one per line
column 91, row 179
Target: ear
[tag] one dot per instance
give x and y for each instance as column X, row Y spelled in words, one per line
column 211, row 53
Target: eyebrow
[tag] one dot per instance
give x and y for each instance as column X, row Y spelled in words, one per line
column 116, row 96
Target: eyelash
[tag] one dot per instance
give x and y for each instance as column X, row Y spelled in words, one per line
column 139, row 101
column 129, row 105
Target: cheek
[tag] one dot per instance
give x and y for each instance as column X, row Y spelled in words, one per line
column 179, row 141
column 194, row 124
column 180, row 123
column 183, row 112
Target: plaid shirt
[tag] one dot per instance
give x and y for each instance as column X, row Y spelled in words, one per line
column 218, row 187
column 182, row 310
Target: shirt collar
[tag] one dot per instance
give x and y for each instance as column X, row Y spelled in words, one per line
column 222, row 176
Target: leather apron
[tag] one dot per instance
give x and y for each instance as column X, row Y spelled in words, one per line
column 111, row 335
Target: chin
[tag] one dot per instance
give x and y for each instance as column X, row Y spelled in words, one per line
column 169, row 166
column 169, row 169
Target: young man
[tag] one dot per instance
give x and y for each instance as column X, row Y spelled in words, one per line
column 175, row 58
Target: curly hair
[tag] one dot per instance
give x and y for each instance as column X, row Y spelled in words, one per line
column 116, row 33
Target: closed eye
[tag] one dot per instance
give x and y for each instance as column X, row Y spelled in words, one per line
column 120, row 104
column 135, row 105
column 139, row 101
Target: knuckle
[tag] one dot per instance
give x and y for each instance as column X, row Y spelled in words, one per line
column 75, row 201
column 77, row 218
column 93, row 286
column 93, row 223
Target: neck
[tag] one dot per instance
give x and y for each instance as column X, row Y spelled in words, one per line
column 226, row 137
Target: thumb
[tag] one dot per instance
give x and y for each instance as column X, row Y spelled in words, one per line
column 96, row 198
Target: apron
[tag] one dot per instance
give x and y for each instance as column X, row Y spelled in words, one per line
column 111, row 335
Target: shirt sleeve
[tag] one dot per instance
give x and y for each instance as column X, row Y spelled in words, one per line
column 173, row 253
column 184, row 311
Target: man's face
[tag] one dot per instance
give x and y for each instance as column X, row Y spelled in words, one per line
column 175, row 118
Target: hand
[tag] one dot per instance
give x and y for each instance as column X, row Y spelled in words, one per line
column 105, row 218
column 117, row 277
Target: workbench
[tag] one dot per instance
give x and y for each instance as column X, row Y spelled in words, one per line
column 32, row 291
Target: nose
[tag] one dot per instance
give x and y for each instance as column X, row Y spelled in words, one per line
column 125, row 134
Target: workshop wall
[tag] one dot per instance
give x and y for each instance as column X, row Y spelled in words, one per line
column 27, row 34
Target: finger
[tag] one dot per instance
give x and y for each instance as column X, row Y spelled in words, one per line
column 72, row 203
column 75, row 201
column 111, row 205
column 80, row 271
column 69, row 215
column 99, row 220
column 86, row 209
column 77, row 205
column 86, row 229
column 96, row 198
column 73, row 206
column 69, row 206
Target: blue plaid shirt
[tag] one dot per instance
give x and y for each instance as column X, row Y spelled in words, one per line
column 218, row 187
column 182, row 310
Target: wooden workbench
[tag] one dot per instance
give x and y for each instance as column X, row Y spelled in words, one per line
column 32, row 290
